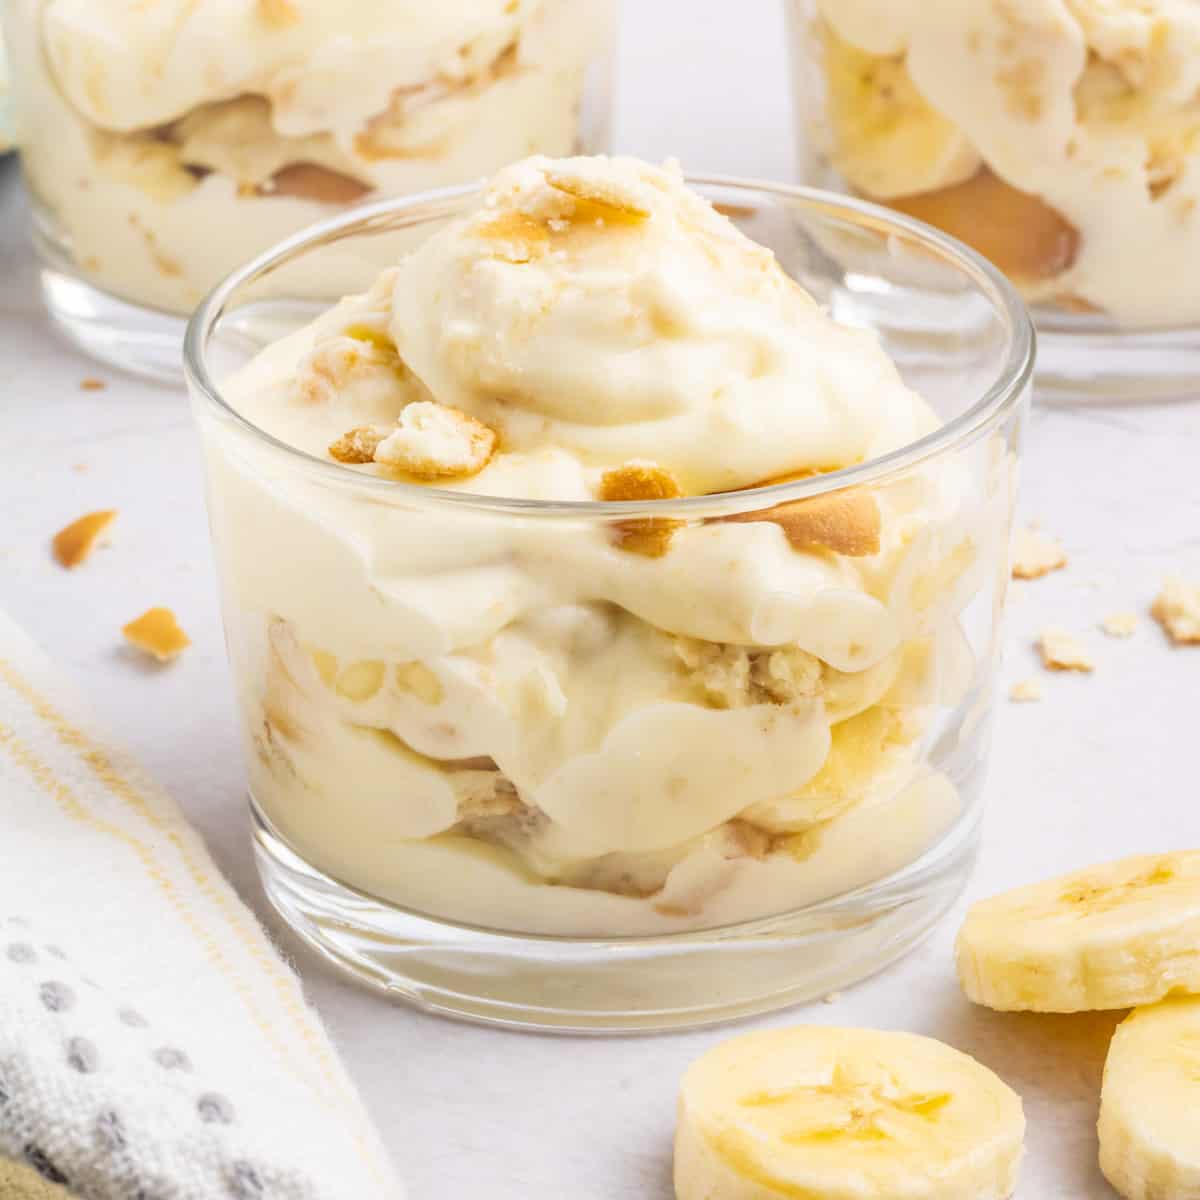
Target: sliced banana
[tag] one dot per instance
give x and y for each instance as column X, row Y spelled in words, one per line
column 827, row 1114
column 1112, row 936
column 888, row 141
column 1150, row 1104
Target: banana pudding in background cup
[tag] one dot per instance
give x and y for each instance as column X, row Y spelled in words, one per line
column 1060, row 139
column 614, row 631
column 166, row 144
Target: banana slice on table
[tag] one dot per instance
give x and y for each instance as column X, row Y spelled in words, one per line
column 844, row 1114
column 1112, row 936
column 1150, row 1104
column 887, row 140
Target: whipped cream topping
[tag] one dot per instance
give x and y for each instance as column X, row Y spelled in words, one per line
column 596, row 312
column 1091, row 105
column 640, row 711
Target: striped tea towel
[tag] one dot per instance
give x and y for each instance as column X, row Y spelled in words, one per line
column 153, row 1046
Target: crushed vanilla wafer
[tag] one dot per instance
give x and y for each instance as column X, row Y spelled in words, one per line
column 846, row 522
column 1177, row 609
column 1025, row 691
column 1034, row 554
column 591, row 180
column 1063, row 651
column 92, row 384
column 648, row 536
column 157, row 632
column 434, row 441
column 1120, row 624
column 357, row 446
column 75, row 543
column 278, row 13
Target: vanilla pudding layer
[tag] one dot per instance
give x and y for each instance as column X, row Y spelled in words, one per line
column 1060, row 137
column 172, row 142
column 589, row 726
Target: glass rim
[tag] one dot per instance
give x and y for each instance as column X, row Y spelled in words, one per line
column 999, row 399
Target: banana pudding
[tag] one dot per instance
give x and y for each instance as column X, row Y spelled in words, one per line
column 167, row 143
column 1061, row 138
column 560, row 620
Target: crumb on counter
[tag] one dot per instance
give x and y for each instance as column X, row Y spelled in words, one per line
column 157, row 632
column 1177, row 609
column 73, row 544
column 1063, row 651
column 1026, row 691
column 1120, row 624
column 1034, row 554
column 92, row 384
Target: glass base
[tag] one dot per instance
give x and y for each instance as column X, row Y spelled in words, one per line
column 1081, row 357
column 617, row 985
column 142, row 341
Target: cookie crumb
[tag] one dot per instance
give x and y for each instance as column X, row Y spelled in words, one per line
column 357, row 446
column 1034, row 554
column 1062, row 651
column 1120, row 624
column 157, row 632
column 92, row 384
column 647, row 536
column 279, row 14
column 1025, row 691
column 1177, row 609
column 434, row 441
column 75, row 543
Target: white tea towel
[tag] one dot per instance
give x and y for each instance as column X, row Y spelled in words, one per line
column 153, row 1046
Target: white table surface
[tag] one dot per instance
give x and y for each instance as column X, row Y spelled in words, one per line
column 1103, row 766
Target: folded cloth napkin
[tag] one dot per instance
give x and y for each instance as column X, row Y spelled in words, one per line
column 153, row 1045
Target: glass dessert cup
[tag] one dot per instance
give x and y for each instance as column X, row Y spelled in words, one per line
column 1063, row 145
column 752, row 821
column 155, row 171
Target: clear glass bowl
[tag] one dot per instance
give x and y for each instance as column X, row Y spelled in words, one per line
column 1062, row 148
column 728, row 855
column 155, row 171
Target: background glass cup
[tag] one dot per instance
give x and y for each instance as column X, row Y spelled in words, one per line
column 1098, row 144
column 422, row 871
column 150, row 182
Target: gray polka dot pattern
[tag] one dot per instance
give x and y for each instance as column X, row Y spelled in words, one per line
column 214, row 1109
column 171, row 1059
column 82, row 1056
column 103, row 1101
column 110, row 1131
column 244, row 1183
column 56, row 996
column 37, row 1158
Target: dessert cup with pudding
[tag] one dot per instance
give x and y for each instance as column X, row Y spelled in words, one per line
column 614, row 631
column 1060, row 138
column 166, row 144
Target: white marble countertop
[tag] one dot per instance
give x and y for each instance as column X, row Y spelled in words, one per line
column 1104, row 766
